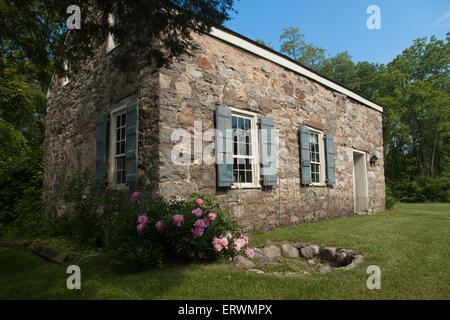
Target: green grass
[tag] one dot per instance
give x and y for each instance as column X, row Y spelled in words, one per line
column 411, row 245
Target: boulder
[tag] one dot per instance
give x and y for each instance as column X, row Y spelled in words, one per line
column 256, row 271
column 315, row 249
column 310, row 251
column 299, row 245
column 307, row 252
column 241, row 262
column 341, row 258
column 329, row 253
column 289, row 252
column 355, row 263
column 325, row 269
column 272, row 252
column 48, row 252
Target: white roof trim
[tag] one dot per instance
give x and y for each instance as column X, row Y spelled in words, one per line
column 266, row 54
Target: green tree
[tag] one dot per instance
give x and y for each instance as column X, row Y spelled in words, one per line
column 414, row 89
column 295, row 46
column 36, row 31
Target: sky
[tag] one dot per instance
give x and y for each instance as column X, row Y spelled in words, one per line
column 339, row 25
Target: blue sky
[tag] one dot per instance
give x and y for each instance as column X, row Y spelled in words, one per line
column 339, row 25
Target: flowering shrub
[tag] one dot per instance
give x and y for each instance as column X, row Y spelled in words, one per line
column 193, row 229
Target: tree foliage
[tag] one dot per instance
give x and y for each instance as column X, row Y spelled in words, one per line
column 37, row 31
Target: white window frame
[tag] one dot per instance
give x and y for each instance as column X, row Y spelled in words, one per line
column 110, row 43
column 253, row 117
column 322, row 164
column 66, row 80
column 112, row 150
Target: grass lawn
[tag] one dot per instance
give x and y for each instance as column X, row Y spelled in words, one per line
column 410, row 244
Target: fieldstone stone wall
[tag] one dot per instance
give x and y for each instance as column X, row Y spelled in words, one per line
column 189, row 90
column 72, row 111
column 222, row 75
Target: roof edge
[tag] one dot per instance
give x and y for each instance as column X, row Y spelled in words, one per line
column 249, row 45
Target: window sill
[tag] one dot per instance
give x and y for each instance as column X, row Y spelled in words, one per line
column 242, row 186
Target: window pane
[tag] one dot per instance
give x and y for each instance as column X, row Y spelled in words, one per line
column 249, row 176
column 247, row 124
column 241, row 123
column 233, row 122
column 248, row 164
column 241, row 164
column 242, row 176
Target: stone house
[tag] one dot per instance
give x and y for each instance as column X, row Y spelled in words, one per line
column 329, row 156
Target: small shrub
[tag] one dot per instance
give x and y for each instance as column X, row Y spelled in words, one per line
column 422, row 189
column 390, row 200
column 195, row 229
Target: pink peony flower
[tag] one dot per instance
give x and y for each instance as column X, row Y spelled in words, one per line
column 201, row 223
column 212, row 216
column 197, row 212
column 245, row 238
column 141, row 227
column 217, row 244
column 159, row 225
column 224, row 242
column 220, row 243
column 199, row 201
column 249, row 252
column 230, row 258
column 238, row 244
column 229, row 235
column 177, row 219
column 135, row 196
column 142, row 219
column 198, row 232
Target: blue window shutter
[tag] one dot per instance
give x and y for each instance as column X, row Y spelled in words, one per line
column 100, row 152
column 267, row 160
column 305, row 161
column 224, row 168
column 131, row 144
column 329, row 142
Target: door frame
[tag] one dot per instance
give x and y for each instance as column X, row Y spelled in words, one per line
column 364, row 157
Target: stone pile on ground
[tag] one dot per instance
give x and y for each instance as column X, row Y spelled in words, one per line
column 295, row 255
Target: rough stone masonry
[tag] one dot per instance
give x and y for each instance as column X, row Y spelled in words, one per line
column 218, row 74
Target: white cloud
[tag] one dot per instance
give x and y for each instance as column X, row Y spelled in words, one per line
column 443, row 21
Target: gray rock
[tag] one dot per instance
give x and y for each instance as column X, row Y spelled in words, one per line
column 256, row 271
column 329, row 253
column 272, row 252
column 325, row 269
column 315, row 249
column 310, row 251
column 307, row 252
column 258, row 253
column 241, row 262
column 355, row 263
column 289, row 252
column 48, row 252
column 311, row 262
column 341, row 257
column 299, row 245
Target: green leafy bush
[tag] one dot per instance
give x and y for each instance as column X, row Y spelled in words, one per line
column 390, row 200
column 154, row 229
column 421, row 189
column 91, row 210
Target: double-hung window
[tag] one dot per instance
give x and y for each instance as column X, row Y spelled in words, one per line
column 316, row 155
column 245, row 149
column 118, row 142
